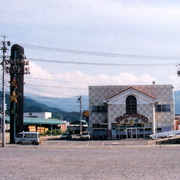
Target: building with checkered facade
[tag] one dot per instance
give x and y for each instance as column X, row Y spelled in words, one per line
column 130, row 111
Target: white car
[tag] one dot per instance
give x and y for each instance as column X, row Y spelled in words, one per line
column 28, row 138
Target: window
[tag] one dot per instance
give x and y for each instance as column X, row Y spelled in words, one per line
column 19, row 136
column 104, row 126
column 95, row 108
column 103, row 108
column 131, row 104
column 99, row 108
column 162, row 108
column 27, row 135
column 33, row 136
column 96, row 125
column 32, row 116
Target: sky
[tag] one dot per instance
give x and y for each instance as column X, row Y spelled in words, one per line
column 138, row 39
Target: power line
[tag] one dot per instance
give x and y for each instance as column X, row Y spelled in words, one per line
column 58, row 99
column 54, row 98
column 56, row 80
column 102, row 64
column 56, row 86
column 103, row 54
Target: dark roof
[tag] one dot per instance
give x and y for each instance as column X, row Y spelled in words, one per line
column 128, row 89
column 78, row 122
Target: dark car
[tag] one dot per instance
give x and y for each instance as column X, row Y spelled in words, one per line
column 65, row 136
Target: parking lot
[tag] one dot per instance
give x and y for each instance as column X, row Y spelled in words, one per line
column 84, row 160
column 94, row 143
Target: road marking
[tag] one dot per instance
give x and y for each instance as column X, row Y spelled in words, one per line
column 102, row 144
column 87, row 144
column 41, row 142
column 115, row 143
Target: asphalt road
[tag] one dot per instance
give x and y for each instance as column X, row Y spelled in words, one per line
column 89, row 160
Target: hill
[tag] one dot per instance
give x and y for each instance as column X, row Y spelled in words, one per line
column 66, row 104
column 31, row 105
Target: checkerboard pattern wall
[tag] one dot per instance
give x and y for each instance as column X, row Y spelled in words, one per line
column 116, row 110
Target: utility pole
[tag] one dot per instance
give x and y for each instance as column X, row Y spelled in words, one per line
column 4, row 49
column 80, row 101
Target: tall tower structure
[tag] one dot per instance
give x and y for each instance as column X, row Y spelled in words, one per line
column 17, row 70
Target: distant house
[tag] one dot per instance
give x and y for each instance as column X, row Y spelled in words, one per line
column 44, row 115
column 40, row 122
column 177, row 122
column 74, row 126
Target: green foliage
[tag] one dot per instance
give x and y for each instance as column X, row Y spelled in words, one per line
column 55, row 132
column 67, row 116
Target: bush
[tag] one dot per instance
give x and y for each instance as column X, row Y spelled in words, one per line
column 54, row 132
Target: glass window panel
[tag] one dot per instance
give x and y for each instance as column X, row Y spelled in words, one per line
column 168, row 108
column 96, row 125
column 103, row 108
column 163, row 108
column 97, row 108
column 33, row 135
column 93, row 108
column 131, row 104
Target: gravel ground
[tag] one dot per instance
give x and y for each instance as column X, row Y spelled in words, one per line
column 89, row 160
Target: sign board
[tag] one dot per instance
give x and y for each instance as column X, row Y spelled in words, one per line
column 113, row 133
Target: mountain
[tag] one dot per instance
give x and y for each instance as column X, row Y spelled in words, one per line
column 34, row 106
column 31, row 105
column 66, row 104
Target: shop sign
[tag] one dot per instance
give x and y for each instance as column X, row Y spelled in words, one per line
column 113, row 134
column 137, row 116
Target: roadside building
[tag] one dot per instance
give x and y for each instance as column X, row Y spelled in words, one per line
column 42, row 115
column 177, row 122
column 42, row 122
column 74, row 127
column 126, row 112
column 39, row 122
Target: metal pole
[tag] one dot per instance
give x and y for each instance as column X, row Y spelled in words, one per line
column 3, row 96
column 51, row 131
column 80, row 117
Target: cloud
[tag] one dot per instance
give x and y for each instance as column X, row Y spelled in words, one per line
column 75, row 83
column 175, row 82
column 88, row 13
column 127, row 27
column 37, row 71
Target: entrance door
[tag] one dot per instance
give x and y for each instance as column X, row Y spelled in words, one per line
column 131, row 133
column 178, row 126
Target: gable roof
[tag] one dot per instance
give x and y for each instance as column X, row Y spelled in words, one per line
column 133, row 89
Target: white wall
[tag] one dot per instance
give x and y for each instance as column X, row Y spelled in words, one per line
column 44, row 115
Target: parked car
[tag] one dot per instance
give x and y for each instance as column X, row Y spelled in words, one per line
column 28, row 138
column 65, row 136
column 85, row 136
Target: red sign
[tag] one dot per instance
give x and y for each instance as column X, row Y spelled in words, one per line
column 135, row 115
